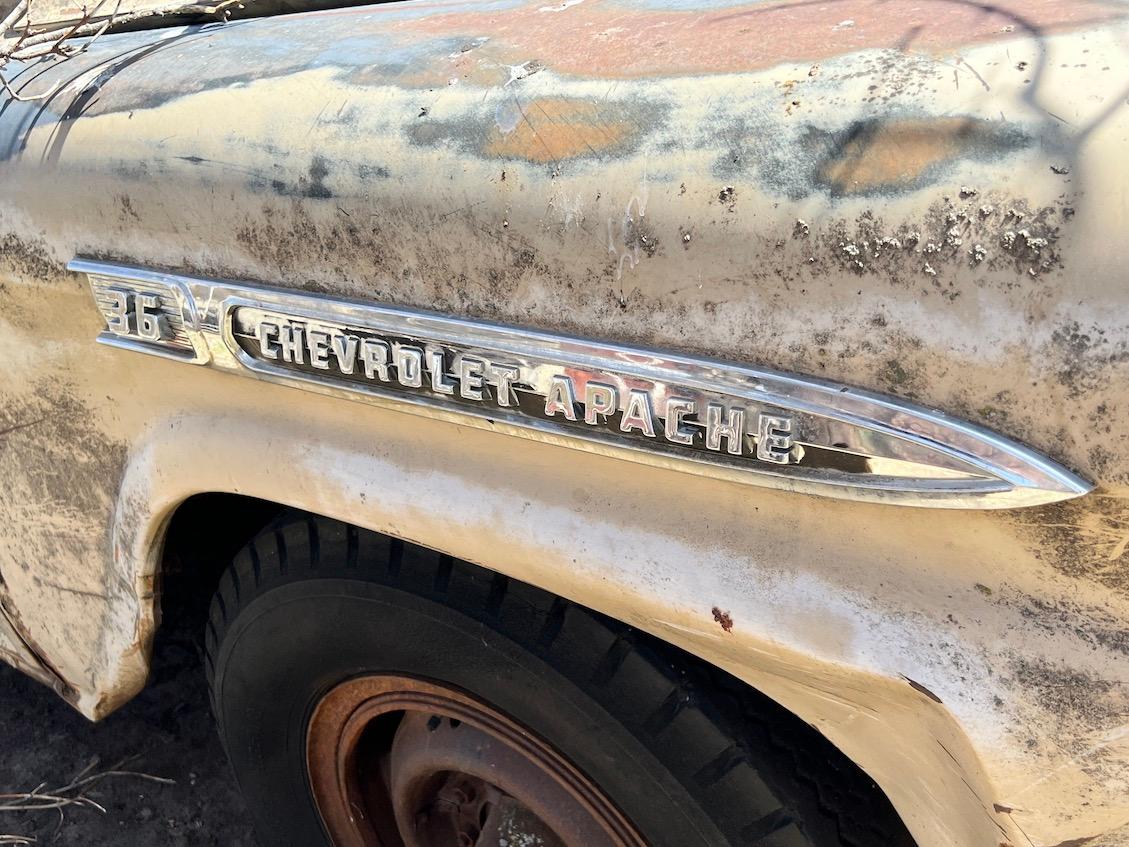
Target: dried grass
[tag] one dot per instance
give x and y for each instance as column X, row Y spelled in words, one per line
column 71, row 795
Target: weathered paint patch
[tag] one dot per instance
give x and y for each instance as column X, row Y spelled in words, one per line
column 541, row 130
column 310, row 184
column 1079, row 704
column 814, row 285
column 553, row 129
column 836, row 155
column 880, row 155
column 1089, row 540
column 624, row 39
column 1086, row 358
column 1092, row 625
column 59, row 472
column 15, row 651
column 27, row 259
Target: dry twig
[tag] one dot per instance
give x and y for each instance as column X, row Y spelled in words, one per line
column 70, row 795
column 56, row 40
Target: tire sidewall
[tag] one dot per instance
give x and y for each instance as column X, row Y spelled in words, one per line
column 294, row 642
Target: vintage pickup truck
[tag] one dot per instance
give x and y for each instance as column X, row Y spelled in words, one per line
column 592, row 422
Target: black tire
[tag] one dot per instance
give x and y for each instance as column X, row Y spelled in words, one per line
column 691, row 756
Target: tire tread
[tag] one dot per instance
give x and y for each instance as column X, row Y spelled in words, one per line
column 708, row 729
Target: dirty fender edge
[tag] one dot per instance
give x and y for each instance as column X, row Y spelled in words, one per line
column 395, row 493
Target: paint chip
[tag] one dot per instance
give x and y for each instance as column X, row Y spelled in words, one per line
column 917, row 686
column 560, row 7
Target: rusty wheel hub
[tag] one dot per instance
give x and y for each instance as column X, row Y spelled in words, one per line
column 400, row 762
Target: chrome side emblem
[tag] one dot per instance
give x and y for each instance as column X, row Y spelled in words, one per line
column 708, row 417
column 153, row 315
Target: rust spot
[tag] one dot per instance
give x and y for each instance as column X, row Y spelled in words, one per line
column 553, row 129
column 723, row 619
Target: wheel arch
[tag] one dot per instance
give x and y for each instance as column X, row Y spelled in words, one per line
column 898, row 734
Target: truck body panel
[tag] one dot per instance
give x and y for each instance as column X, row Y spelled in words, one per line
column 928, row 204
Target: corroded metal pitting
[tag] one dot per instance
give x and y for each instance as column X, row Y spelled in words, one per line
column 400, row 762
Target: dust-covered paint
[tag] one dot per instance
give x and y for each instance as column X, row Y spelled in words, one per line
column 929, row 204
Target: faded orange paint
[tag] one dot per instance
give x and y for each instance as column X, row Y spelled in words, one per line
column 618, row 41
column 554, row 129
column 479, row 67
column 895, row 154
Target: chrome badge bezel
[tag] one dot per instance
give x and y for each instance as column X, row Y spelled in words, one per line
column 730, row 421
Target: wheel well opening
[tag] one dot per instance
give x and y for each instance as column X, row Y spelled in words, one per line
column 208, row 530
column 205, row 532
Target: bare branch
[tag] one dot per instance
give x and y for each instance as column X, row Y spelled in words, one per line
column 32, row 802
column 105, row 26
column 70, row 795
column 9, row 22
column 31, row 40
column 55, row 40
column 26, row 98
column 86, row 26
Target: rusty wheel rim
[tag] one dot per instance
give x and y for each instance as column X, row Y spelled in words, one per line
column 395, row 761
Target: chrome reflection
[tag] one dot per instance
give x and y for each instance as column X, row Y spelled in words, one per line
column 708, row 417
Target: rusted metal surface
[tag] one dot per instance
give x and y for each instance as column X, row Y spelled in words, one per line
column 929, row 203
column 396, row 760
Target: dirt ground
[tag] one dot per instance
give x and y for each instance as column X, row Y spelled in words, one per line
column 166, row 731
